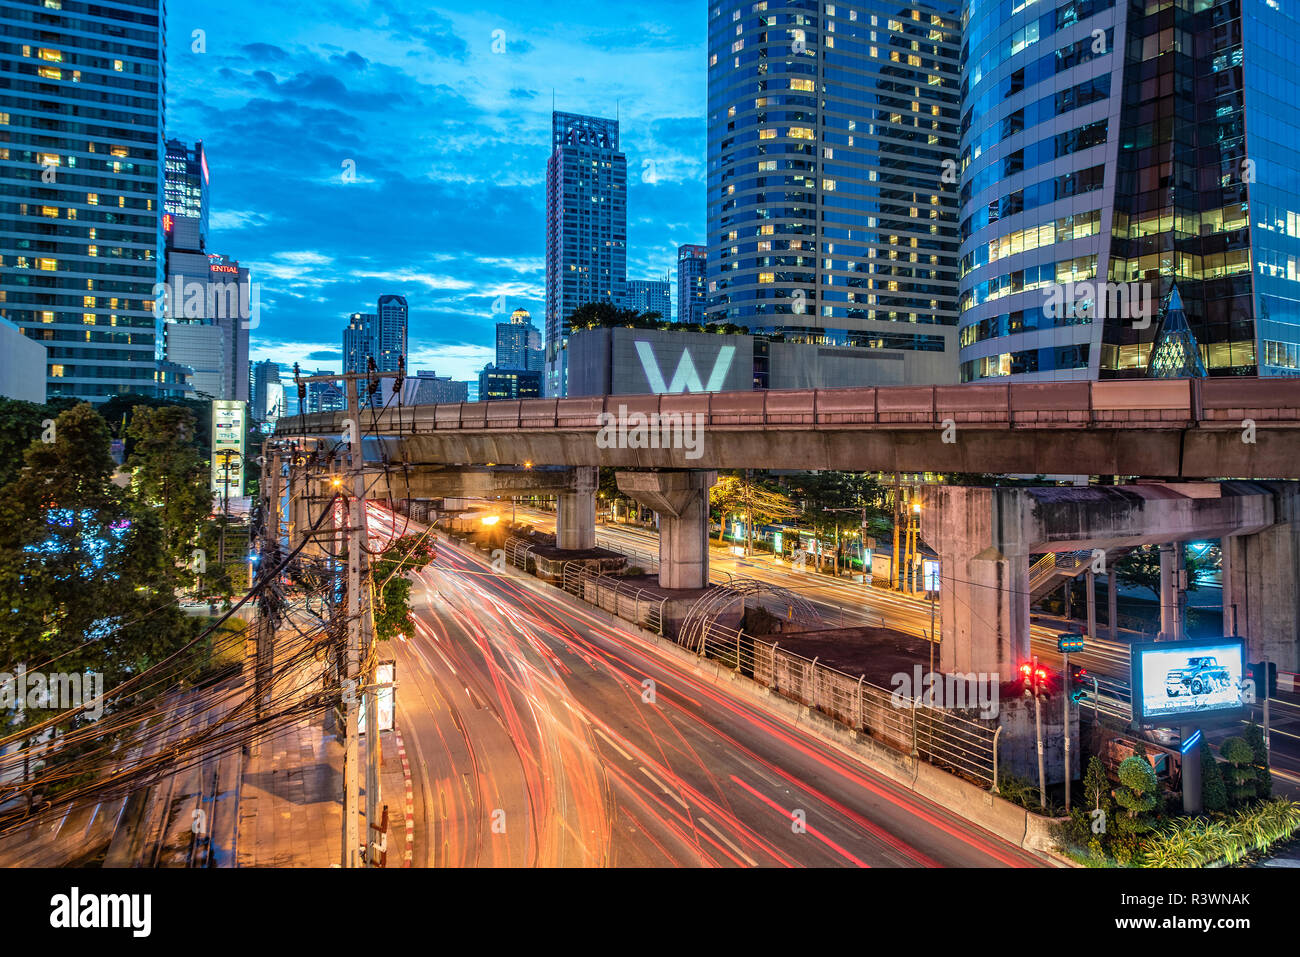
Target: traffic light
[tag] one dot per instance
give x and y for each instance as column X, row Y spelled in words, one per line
column 1035, row 679
column 1256, row 672
column 1070, row 642
column 1078, row 675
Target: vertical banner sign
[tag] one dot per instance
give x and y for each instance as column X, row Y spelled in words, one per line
column 385, row 674
column 228, row 427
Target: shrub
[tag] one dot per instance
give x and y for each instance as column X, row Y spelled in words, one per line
column 1241, row 774
column 1214, row 796
column 1263, row 778
column 1137, row 794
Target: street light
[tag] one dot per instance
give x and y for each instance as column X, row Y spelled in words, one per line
column 491, row 519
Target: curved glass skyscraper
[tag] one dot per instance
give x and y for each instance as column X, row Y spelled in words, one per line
column 831, row 209
column 1113, row 151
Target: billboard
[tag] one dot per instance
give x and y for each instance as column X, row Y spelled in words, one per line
column 228, row 428
column 1188, row 682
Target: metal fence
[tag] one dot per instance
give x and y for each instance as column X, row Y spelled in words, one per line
column 941, row 737
column 615, row 596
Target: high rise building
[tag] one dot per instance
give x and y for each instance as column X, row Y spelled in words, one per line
column 586, row 227
column 426, row 387
column 690, row 283
column 325, row 396
column 358, row 341
column 830, row 218
column 1129, row 190
column 390, row 333
column 185, row 196
column 268, row 392
column 519, row 344
column 650, row 295
column 82, row 165
column 494, row 383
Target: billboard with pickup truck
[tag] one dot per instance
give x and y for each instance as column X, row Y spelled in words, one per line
column 1188, row 682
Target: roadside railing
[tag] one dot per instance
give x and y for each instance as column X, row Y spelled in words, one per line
column 615, row 596
column 941, row 737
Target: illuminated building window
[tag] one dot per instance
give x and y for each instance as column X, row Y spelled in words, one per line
column 56, row 371
column 49, row 265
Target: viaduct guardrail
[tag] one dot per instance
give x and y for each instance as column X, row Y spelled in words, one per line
column 1178, row 428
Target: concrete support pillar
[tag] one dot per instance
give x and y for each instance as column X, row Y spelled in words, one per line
column 984, row 608
column 575, row 511
column 1265, row 583
column 1168, row 594
column 1112, row 604
column 1091, row 581
column 680, row 500
column 1229, row 600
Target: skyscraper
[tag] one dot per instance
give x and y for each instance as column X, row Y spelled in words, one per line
column 518, row 343
column 185, row 196
column 210, row 302
column 650, row 295
column 390, row 333
column 690, row 283
column 358, row 341
column 1128, row 179
column 81, row 222
column 268, row 392
column 586, row 227
column 830, row 219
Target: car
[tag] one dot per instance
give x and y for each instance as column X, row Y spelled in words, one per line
column 1201, row 675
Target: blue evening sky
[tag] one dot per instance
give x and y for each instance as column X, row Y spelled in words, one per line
column 449, row 141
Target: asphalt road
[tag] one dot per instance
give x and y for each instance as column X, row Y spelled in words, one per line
column 842, row 601
column 542, row 736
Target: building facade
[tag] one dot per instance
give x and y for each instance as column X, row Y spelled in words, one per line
column 392, row 316
column 426, row 387
column 1119, row 161
column 586, row 227
column 268, row 393
column 831, row 220
column 519, row 343
column 622, row 361
column 650, row 295
column 185, row 195
column 494, row 383
column 691, row 260
column 81, row 205
column 358, row 341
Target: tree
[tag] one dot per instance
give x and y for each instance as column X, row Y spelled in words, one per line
column 92, row 586
column 392, row 610
column 831, row 502
column 1140, row 568
column 762, row 501
column 1214, row 796
column 1241, row 774
column 169, row 473
column 1137, row 794
column 1254, row 736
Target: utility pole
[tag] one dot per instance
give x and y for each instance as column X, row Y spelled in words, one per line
column 352, row 678
column 896, row 571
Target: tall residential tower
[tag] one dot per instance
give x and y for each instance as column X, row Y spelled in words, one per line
column 586, row 228
column 81, row 180
column 830, row 217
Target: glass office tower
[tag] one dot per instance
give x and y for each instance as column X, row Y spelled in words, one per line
column 1124, row 152
column 81, row 155
column 586, row 228
column 690, row 282
column 832, row 137
column 650, row 295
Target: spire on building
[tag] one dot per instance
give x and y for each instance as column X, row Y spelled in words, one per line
column 1176, row 354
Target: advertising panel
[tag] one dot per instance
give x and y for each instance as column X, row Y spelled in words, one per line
column 1188, row 682
column 228, row 428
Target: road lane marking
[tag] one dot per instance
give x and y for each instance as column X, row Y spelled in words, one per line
column 613, row 744
column 663, row 787
column 727, row 841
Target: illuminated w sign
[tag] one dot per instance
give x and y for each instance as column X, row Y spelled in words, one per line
column 685, row 379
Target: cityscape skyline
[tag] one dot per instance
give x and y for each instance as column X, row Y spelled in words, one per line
column 457, row 238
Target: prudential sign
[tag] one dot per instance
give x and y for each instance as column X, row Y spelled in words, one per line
column 686, row 378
